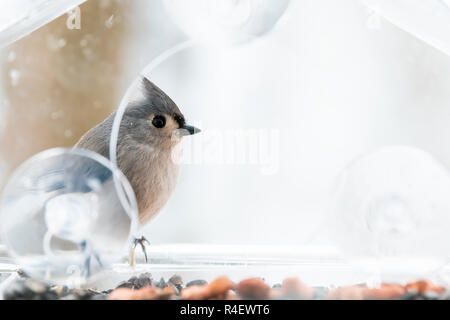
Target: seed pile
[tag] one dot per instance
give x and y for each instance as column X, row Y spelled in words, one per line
column 290, row 288
column 144, row 287
column 30, row 289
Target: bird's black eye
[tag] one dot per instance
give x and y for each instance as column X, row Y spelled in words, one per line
column 159, row 121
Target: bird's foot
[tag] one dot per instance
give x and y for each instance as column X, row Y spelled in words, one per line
column 89, row 252
column 142, row 241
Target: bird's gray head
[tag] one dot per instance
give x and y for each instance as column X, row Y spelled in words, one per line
column 155, row 119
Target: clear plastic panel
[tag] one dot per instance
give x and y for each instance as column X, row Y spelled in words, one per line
column 428, row 20
column 389, row 208
column 21, row 17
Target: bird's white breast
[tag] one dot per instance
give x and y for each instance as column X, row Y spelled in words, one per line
column 155, row 184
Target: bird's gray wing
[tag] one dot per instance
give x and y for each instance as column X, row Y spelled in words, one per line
column 75, row 173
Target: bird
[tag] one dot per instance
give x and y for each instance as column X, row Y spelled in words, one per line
column 151, row 128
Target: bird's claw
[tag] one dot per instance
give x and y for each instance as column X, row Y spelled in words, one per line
column 142, row 241
column 89, row 252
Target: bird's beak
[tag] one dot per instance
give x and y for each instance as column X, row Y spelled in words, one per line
column 187, row 130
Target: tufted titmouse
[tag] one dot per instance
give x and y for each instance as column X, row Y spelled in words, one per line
column 151, row 128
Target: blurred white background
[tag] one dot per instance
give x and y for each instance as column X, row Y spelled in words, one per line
column 331, row 79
